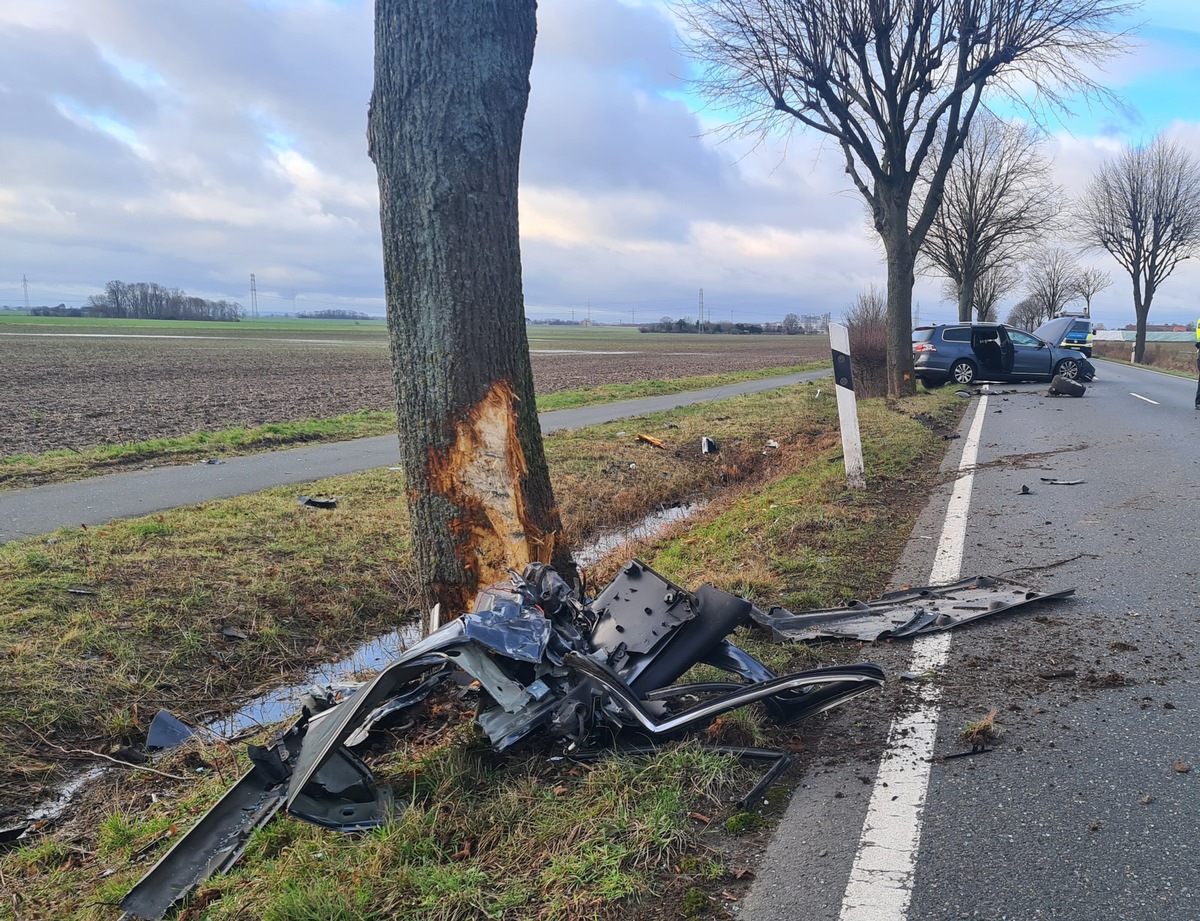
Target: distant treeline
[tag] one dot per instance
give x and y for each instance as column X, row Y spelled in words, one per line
column 667, row 325
column 792, row 325
column 333, row 315
column 145, row 300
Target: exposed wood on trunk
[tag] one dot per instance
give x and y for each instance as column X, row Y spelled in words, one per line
column 445, row 127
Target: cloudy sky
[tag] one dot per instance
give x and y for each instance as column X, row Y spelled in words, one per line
column 194, row 143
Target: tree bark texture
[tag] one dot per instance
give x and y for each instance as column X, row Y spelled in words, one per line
column 444, row 131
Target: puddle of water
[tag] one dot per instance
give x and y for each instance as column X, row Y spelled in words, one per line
column 284, row 703
column 650, row 526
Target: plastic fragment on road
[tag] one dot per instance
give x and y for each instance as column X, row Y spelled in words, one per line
column 1065, row 387
column 904, row 614
column 1053, row 482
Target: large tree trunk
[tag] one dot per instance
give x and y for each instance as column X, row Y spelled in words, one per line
column 965, row 298
column 901, row 276
column 447, row 112
column 1141, row 311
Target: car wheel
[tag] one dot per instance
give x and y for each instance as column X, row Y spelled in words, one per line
column 963, row 372
column 1068, row 368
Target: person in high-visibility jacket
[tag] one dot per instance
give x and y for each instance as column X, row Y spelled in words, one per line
column 1198, row 364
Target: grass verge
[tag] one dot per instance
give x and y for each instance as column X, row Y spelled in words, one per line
column 101, row 627
column 24, row 470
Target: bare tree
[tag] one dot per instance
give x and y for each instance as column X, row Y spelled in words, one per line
column 998, row 198
column 897, row 84
column 994, row 284
column 444, row 132
column 866, row 324
column 1028, row 314
column 1144, row 208
column 1090, row 282
column 1052, row 279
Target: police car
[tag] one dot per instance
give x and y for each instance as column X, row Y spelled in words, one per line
column 1068, row 331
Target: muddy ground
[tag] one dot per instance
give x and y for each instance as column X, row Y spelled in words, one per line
column 82, row 392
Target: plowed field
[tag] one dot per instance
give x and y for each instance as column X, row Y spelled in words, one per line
column 85, row 390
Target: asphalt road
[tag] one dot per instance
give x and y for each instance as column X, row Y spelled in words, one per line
column 1082, row 809
column 42, row 509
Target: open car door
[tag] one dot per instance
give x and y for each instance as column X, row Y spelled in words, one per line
column 1007, row 350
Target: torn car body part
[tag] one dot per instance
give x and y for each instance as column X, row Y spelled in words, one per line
column 586, row 673
column 908, row 613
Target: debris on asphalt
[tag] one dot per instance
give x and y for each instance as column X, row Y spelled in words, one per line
column 593, row 675
column 903, row 614
column 1065, row 387
column 1025, row 491
column 1054, row 482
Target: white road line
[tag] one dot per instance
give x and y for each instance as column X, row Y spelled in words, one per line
column 881, row 880
column 1140, row 397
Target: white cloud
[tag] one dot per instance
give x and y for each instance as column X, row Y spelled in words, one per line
column 194, row 143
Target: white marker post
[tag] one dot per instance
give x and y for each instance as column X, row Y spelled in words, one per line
column 839, row 342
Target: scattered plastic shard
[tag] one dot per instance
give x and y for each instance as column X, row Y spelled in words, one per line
column 708, row 445
column 167, row 731
column 1054, row 482
column 898, row 615
column 317, row 502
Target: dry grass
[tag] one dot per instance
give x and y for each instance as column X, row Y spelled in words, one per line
column 507, row 836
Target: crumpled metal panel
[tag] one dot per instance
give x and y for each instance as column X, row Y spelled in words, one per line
column 907, row 613
column 545, row 660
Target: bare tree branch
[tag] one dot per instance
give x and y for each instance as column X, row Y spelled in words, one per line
column 1143, row 207
column 998, row 200
column 1052, row 280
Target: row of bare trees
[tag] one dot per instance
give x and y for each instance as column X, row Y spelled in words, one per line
column 147, row 300
column 898, row 86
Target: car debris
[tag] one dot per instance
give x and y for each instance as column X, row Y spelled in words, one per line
column 651, row 440
column 167, row 731
column 1065, row 387
column 317, row 501
column 709, row 445
column 596, row 676
column 903, row 614
column 1054, row 482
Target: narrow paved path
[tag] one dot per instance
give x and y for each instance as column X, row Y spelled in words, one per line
column 42, row 509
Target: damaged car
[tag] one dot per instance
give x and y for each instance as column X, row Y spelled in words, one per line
column 965, row 353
